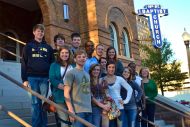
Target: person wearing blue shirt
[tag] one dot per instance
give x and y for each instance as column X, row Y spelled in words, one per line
column 89, row 47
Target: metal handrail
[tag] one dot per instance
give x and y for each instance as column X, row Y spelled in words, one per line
column 10, row 52
column 12, row 38
column 86, row 123
column 150, row 122
column 169, row 108
column 182, row 114
column 14, row 116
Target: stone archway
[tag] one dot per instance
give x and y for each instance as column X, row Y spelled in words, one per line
column 117, row 15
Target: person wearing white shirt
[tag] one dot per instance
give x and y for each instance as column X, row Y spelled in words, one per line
column 114, row 87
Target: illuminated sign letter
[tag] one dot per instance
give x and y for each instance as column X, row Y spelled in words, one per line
column 155, row 12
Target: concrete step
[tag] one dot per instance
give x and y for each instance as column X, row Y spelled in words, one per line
column 13, row 123
column 25, row 112
column 16, row 103
column 169, row 126
column 160, row 122
column 14, row 98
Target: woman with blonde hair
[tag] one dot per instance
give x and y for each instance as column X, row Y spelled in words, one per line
column 150, row 89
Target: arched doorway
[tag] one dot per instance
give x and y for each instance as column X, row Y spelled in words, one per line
column 20, row 17
column 9, row 45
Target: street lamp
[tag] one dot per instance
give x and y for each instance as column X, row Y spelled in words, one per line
column 186, row 39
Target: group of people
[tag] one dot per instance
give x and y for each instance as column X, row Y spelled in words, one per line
column 85, row 84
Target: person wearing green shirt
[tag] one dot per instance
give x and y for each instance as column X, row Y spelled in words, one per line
column 151, row 91
column 57, row 73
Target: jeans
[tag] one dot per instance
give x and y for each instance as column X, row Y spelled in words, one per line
column 129, row 117
column 41, row 86
column 84, row 115
column 96, row 116
column 148, row 114
column 138, row 120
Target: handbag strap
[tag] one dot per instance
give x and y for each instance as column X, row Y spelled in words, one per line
column 65, row 72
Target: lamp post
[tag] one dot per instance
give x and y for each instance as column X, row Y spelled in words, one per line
column 186, row 39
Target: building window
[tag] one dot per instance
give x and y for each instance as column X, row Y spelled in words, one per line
column 113, row 37
column 124, row 46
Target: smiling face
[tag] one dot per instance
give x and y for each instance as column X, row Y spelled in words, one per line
column 111, row 53
column 80, row 59
column 111, row 69
column 38, row 34
column 126, row 73
column 100, row 50
column 96, row 71
column 76, row 41
column 64, row 55
column 144, row 73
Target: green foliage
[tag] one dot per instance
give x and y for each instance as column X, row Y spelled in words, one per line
column 164, row 70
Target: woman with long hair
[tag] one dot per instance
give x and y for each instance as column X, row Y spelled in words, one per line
column 114, row 86
column 98, row 89
column 130, row 109
column 57, row 72
column 103, row 63
column 111, row 56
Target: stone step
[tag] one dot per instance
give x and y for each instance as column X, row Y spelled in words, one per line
column 160, row 122
column 13, row 123
column 169, row 126
column 25, row 112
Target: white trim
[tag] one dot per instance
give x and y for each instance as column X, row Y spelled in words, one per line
column 126, row 44
column 115, row 44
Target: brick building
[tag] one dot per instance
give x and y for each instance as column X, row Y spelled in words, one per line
column 110, row 22
column 144, row 34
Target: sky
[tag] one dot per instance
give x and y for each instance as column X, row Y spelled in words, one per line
column 172, row 26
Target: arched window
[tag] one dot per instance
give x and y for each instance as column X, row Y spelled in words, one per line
column 124, row 46
column 113, row 37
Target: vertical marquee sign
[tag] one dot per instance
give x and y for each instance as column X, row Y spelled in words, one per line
column 154, row 12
